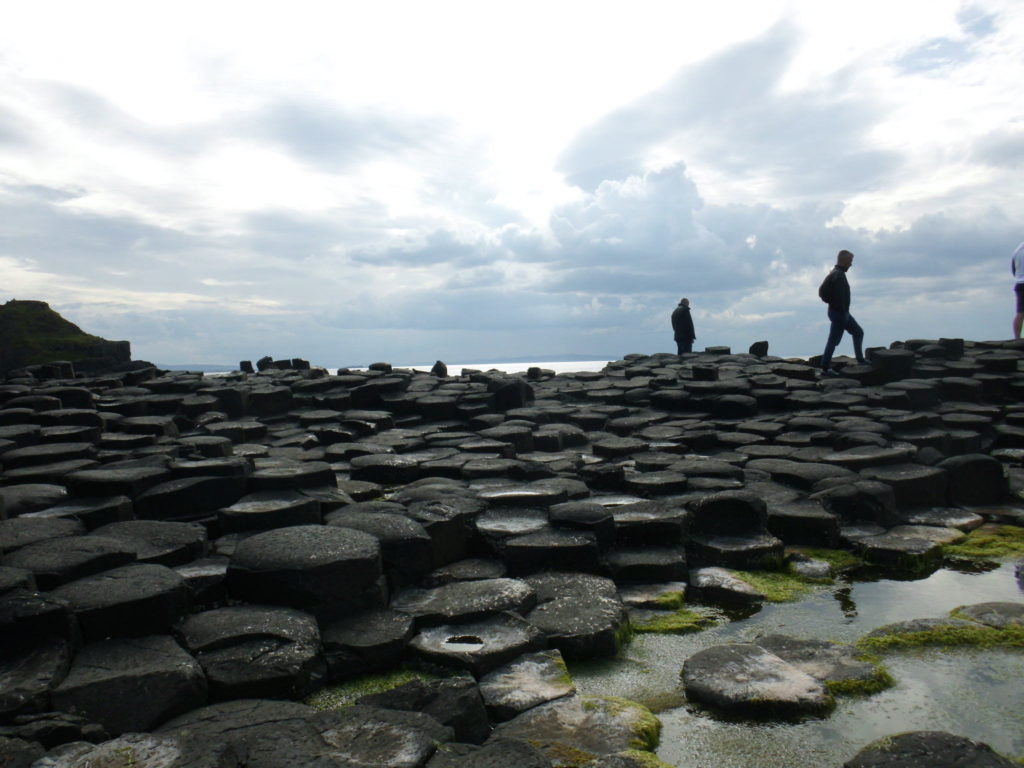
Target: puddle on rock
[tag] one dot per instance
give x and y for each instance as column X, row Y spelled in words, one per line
column 968, row 692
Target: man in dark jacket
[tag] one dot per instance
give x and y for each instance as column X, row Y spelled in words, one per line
column 836, row 290
column 682, row 325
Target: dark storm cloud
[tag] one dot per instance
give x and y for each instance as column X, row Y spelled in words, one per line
column 730, row 111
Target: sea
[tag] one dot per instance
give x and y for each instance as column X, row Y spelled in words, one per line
column 570, row 366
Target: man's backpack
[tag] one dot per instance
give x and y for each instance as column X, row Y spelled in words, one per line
column 825, row 289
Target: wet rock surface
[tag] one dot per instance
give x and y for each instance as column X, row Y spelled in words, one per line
column 928, row 749
column 261, row 535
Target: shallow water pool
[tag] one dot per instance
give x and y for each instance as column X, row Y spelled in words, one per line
column 973, row 693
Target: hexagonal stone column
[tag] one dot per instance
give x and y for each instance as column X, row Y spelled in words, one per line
column 131, row 684
column 327, row 570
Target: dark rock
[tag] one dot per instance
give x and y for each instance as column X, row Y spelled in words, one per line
column 365, row 642
column 581, row 615
column 255, row 651
column 163, row 543
column 131, row 684
column 759, row 348
column 912, row 484
column 465, row 601
column 406, row 547
column 480, row 646
column 747, row 679
column 19, row 753
column 29, row 669
column 125, row 481
column 646, row 564
column 496, row 753
column 21, row 499
column 975, row 479
column 267, row 510
column 454, row 702
column 999, row 615
column 133, row 600
column 92, row 512
column 583, row 725
column 650, row 522
column 530, row 680
column 22, row 531
column 57, row 561
column 861, row 500
column 721, row 585
column 319, row 568
column 729, row 513
column 928, row 749
column 51, row 729
column 29, row 615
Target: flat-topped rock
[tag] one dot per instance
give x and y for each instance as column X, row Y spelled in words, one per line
column 479, row 646
column 927, row 749
column 465, row 601
column 131, row 684
column 526, row 682
column 132, row 600
column 255, row 651
column 320, row 568
column 58, row 561
column 747, row 679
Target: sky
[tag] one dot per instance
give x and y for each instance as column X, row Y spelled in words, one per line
column 407, row 181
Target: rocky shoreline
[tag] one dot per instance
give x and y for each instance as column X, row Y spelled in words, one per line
column 183, row 560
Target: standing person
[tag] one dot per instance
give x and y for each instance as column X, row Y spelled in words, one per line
column 1017, row 267
column 682, row 326
column 835, row 291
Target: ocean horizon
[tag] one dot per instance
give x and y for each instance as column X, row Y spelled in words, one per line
column 454, row 369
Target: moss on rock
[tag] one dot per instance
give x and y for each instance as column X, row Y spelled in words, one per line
column 839, row 559
column 678, row 622
column 775, row 586
column 345, row 694
column 644, row 724
column 988, row 542
column 948, row 637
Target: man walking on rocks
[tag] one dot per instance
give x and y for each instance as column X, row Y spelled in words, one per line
column 1017, row 266
column 835, row 291
column 682, row 325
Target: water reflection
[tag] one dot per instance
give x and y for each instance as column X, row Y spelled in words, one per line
column 971, row 693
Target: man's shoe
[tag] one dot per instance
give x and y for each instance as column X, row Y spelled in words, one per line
column 829, row 372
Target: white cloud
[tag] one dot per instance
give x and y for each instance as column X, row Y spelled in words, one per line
column 399, row 180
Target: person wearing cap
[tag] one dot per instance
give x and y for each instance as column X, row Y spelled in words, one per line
column 682, row 326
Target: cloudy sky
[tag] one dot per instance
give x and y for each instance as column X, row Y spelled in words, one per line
column 469, row 181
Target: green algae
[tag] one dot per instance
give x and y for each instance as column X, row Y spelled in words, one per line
column 989, row 542
column 839, row 559
column 671, row 601
column 948, row 637
column 645, row 725
column 676, row 622
column 879, row 680
column 562, row 755
column 775, row 586
column 642, row 759
column 345, row 694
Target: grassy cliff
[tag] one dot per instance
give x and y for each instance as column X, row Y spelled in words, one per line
column 32, row 333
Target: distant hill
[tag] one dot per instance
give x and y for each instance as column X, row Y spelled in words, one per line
column 31, row 333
